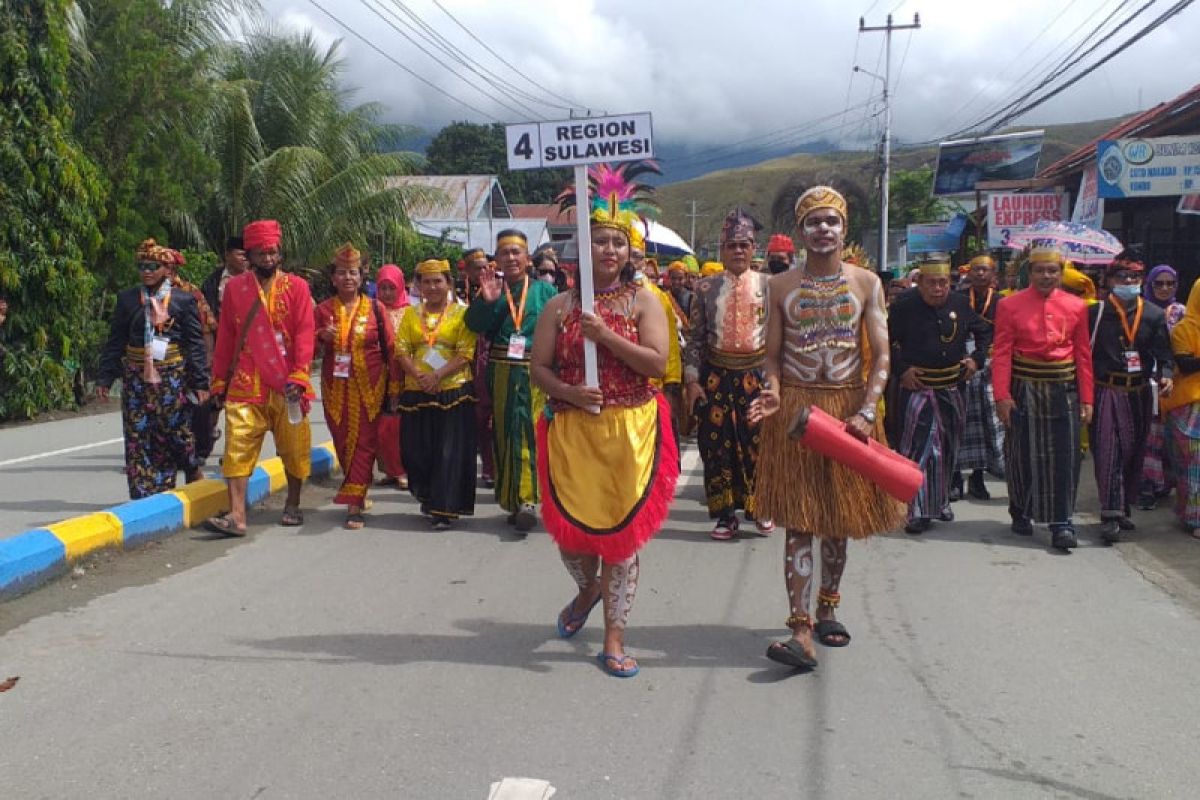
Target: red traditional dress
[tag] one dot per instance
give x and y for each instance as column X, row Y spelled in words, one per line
column 354, row 387
column 278, row 350
column 607, row 479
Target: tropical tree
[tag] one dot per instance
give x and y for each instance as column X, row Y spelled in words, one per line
column 290, row 146
column 142, row 79
column 47, row 227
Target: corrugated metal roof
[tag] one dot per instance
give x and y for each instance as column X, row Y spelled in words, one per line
column 463, row 196
column 544, row 211
column 1158, row 121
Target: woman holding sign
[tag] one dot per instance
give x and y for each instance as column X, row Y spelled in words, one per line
column 607, row 460
column 437, row 435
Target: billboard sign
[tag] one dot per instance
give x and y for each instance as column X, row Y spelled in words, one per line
column 1009, row 213
column 964, row 162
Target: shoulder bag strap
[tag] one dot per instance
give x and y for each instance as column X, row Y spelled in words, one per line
column 241, row 340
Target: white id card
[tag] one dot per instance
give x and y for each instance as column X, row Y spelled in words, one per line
column 516, row 347
column 434, row 359
column 341, row 365
column 158, row 348
column 1133, row 362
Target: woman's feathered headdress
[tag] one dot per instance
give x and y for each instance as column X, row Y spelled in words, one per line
column 619, row 200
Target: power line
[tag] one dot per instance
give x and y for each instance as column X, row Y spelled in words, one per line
column 1144, row 32
column 434, row 37
column 1068, row 62
column 570, row 103
column 853, row 61
column 495, row 99
column 392, row 59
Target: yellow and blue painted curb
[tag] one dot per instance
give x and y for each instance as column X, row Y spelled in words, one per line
column 32, row 557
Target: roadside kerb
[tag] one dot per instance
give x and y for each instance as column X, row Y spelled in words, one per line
column 30, row 558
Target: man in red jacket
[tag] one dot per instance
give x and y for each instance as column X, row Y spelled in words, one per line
column 1042, row 380
column 265, row 341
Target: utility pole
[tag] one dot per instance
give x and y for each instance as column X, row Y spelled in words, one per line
column 693, row 216
column 887, row 123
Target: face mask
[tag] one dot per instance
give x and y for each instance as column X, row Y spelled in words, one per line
column 775, row 266
column 1126, row 292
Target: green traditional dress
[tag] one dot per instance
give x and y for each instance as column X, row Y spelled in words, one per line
column 516, row 403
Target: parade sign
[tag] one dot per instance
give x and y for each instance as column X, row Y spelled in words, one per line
column 1164, row 166
column 965, row 162
column 571, row 142
column 1011, row 213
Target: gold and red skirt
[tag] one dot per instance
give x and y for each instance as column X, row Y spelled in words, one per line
column 607, row 479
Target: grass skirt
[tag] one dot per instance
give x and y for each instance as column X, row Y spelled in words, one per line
column 803, row 490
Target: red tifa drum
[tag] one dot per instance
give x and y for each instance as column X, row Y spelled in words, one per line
column 898, row 476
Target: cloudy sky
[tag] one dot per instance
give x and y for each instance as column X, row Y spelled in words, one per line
column 769, row 71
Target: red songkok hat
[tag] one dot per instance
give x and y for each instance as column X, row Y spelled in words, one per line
column 781, row 243
column 262, row 233
column 1123, row 262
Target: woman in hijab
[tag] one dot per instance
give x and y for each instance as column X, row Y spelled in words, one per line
column 391, row 292
column 1160, row 288
column 1181, row 415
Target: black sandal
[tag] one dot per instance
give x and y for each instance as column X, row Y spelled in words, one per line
column 292, row 517
column 224, row 526
column 827, row 631
column 790, row 652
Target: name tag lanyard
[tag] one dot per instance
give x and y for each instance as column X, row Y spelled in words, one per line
column 1130, row 331
column 158, row 346
column 518, row 314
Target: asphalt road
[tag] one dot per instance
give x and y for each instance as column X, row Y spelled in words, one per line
column 395, row 662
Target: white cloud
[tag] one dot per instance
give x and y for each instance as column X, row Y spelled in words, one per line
column 714, row 73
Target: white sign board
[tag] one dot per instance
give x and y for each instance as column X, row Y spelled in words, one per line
column 572, row 142
column 1089, row 206
column 1009, row 213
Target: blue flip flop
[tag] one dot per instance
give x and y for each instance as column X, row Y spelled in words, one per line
column 604, row 658
column 564, row 630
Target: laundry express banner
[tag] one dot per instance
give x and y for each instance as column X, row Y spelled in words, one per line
column 589, row 140
column 1163, row 166
column 1009, row 213
column 965, row 162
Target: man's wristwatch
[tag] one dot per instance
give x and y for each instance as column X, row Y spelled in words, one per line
column 868, row 414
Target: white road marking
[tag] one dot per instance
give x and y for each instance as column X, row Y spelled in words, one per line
column 521, row 789
column 64, row 451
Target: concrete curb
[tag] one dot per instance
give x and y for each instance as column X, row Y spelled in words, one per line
column 31, row 558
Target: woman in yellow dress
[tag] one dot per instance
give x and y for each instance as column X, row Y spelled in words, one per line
column 435, row 349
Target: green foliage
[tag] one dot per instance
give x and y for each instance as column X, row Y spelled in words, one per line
column 911, row 200
column 464, row 148
column 199, row 264
column 48, row 190
column 144, row 82
column 290, row 147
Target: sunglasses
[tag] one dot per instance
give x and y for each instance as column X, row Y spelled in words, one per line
column 148, row 266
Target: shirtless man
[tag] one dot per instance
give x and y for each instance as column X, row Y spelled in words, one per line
column 816, row 323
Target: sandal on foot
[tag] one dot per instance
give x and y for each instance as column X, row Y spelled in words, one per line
column 828, row 631
column 570, row 624
column 620, row 671
column 354, row 522
column 292, row 517
column 224, row 525
column 791, row 653
column 725, row 529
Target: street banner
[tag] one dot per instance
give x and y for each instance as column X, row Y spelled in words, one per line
column 932, row 238
column 964, row 162
column 571, row 142
column 1089, row 206
column 1009, row 213
column 1164, row 166
column 578, row 143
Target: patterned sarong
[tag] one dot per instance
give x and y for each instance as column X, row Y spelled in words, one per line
column 1120, row 426
column 156, row 419
column 933, row 428
column 1183, row 440
column 1042, row 451
column 516, row 404
column 728, row 444
column 982, row 445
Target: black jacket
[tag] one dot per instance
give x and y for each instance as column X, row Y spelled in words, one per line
column 128, row 328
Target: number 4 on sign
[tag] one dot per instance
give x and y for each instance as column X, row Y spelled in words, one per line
column 577, row 143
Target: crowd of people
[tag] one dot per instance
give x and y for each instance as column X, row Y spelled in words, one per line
column 477, row 380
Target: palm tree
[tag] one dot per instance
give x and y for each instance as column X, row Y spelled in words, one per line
column 290, row 146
